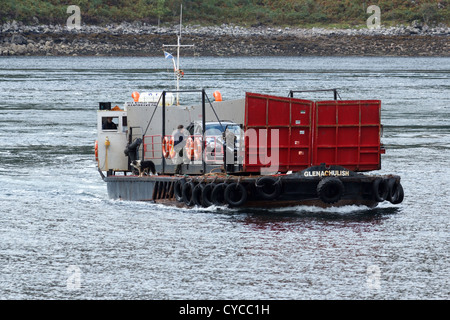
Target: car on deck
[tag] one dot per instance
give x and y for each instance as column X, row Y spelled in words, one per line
column 215, row 133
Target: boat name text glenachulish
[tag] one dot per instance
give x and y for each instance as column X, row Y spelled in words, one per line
column 327, row 173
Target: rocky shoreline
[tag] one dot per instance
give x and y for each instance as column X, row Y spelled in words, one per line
column 137, row 39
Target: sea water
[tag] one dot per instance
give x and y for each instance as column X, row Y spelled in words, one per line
column 62, row 238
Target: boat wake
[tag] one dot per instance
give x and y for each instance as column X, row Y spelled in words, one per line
column 344, row 211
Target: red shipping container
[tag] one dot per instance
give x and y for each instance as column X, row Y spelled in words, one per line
column 294, row 134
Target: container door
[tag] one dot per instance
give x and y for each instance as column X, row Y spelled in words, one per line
column 347, row 133
column 278, row 133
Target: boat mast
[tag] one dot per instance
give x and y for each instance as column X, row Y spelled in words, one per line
column 178, row 72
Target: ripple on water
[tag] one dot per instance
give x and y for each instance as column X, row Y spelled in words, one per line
column 56, row 213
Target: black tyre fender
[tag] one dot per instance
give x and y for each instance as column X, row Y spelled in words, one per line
column 330, row 190
column 268, row 188
column 380, row 189
column 235, row 194
column 392, row 186
column 197, row 194
column 206, row 195
column 396, row 193
column 178, row 190
column 217, row 195
column 188, row 188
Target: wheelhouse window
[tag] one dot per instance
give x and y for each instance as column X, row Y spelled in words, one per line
column 110, row 123
column 124, row 124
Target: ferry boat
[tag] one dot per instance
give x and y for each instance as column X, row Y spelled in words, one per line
column 259, row 151
column 272, row 151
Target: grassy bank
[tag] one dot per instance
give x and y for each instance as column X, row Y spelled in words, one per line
column 345, row 13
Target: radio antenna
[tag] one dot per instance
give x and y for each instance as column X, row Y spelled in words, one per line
column 178, row 73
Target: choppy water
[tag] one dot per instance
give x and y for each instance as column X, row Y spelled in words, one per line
column 62, row 238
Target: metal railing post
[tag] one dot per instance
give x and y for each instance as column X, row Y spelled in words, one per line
column 163, row 128
column 203, row 130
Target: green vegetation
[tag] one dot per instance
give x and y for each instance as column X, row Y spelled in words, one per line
column 299, row 13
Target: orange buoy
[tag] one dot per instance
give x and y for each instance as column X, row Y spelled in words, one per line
column 172, row 152
column 135, row 96
column 189, row 148
column 197, row 149
column 166, row 147
column 96, row 150
column 217, row 95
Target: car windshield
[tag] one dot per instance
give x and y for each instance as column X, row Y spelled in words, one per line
column 212, row 129
column 234, row 128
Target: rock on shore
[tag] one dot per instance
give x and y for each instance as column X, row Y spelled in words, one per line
column 138, row 39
